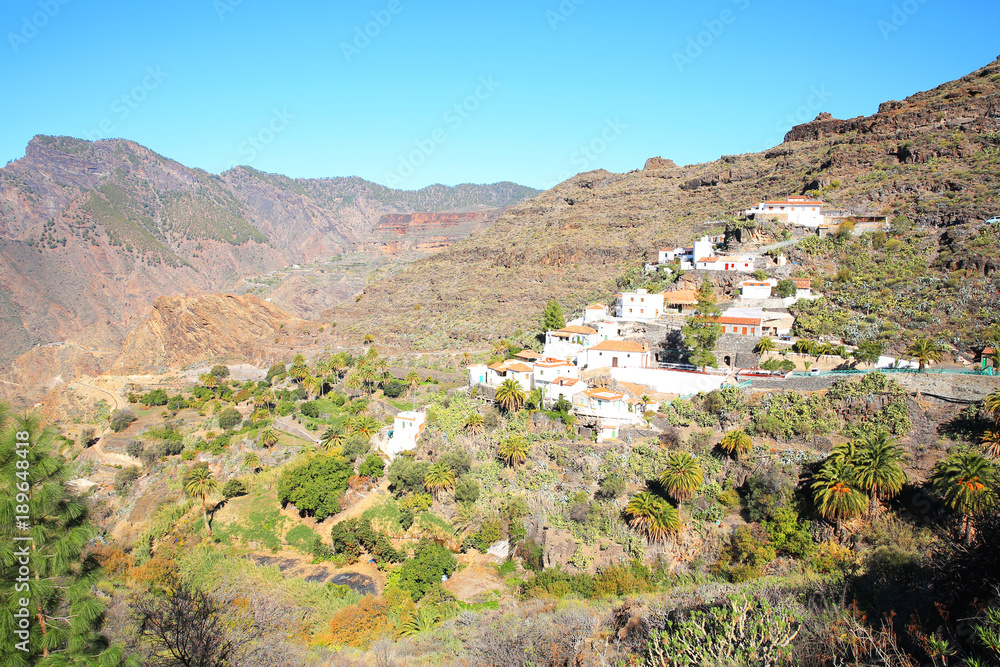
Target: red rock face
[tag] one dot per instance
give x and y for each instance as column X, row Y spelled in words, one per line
column 408, row 223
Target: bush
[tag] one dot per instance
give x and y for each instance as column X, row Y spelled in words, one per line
column 155, row 397
column 785, row 288
column 229, row 418
column 275, row 371
column 424, row 571
column 359, row 625
column 373, row 466
column 133, row 448
column 354, row 537
column 406, row 475
column 170, row 448
column 611, row 486
column 394, row 388
column 219, row 371
column 233, row 488
column 466, row 489
column 177, row 403
column 124, row 479
column 316, row 485
column 310, row 409
column 121, row 419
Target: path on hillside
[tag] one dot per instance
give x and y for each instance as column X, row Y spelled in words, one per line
column 288, row 426
column 775, row 246
column 107, row 457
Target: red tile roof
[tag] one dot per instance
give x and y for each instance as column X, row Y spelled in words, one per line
column 618, row 346
column 577, row 330
column 527, row 354
column 803, row 284
column 681, row 296
column 755, row 321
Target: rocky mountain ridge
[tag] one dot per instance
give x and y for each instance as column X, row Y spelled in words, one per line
column 92, row 233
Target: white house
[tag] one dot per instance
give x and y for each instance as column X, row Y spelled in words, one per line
column 615, row 354
column 607, row 331
column 406, row 429
column 527, row 356
column 550, row 370
column 795, row 210
column 494, row 374
column 564, row 387
column 510, row 369
column 606, row 405
column 757, row 289
column 743, row 326
column 575, row 334
column 742, row 263
column 639, row 306
column 803, row 289
column 595, row 312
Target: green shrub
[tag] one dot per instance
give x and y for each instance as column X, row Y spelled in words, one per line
column 310, row 409
column 394, row 388
column 229, row 418
column 422, row 572
column 406, row 475
column 785, row 288
column 354, row 537
column 124, row 478
column 316, row 485
column 466, row 489
column 373, row 466
column 155, row 397
column 233, row 488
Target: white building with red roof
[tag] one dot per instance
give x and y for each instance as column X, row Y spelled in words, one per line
column 595, row 312
column 406, row 429
column 795, row 210
column 606, row 405
column 550, row 370
column 615, row 354
column 564, row 387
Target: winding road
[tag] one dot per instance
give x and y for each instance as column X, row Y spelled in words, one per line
column 109, row 458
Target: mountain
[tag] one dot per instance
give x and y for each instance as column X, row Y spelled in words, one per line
column 933, row 158
column 91, row 233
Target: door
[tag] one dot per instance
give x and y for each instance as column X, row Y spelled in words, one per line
column 614, row 362
column 744, row 331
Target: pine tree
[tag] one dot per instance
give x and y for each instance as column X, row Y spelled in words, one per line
column 552, row 316
column 64, row 622
column 702, row 331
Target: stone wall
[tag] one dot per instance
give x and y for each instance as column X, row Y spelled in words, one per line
column 965, row 388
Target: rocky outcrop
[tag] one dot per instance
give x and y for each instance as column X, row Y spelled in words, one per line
column 409, row 223
column 183, row 330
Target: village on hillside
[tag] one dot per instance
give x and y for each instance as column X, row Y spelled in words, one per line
column 613, row 365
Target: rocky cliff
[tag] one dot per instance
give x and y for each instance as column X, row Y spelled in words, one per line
column 182, row 330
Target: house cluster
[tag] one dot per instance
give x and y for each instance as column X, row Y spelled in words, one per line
column 701, row 256
column 810, row 212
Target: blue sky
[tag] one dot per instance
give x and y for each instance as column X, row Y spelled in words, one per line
column 413, row 92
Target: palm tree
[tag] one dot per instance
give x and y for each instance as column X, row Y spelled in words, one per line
column 412, row 380
column 652, row 515
column 514, row 450
column 965, row 481
column 991, row 443
column 804, row 346
column 924, row 351
column 331, row 439
column 537, row 398
column 834, row 491
column 992, row 404
column 510, row 395
column 208, row 380
column 877, row 468
column 868, row 352
column 251, row 461
column 823, row 349
column 259, row 415
column 764, row 345
column 682, row 477
column 312, row 384
column 200, row 484
column 268, row 437
column 737, row 443
column 365, row 425
column 438, row 478
column 474, row 423
column 338, row 364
